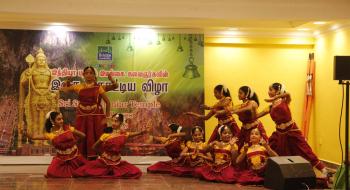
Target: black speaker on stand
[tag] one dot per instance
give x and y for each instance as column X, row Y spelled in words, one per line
column 289, row 173
column 342, row 73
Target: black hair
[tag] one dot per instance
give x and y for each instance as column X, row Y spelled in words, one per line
column 174, row 127
column 276, row 86
column 50, row 121
column 108, row 130
column 221, row 129
column 119, row 117
column 90, row 67
column 248, row 93
column 225, row 91
column 194, row 129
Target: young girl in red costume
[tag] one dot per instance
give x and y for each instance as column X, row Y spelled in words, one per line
column 174, row 145
column 247, row 115
column 63, row 138
column 221, row 112
column 225, row 152
column 287, row 140
column 109, row 163
column 193, row 155
column 255, row 154
column 90, row 118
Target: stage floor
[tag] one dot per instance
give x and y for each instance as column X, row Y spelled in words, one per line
column 27, row 173
column 146, row 182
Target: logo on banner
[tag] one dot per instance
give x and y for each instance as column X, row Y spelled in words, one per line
column 104, row 53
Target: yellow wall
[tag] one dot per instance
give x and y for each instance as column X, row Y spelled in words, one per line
column 324, row 133
column 256, row 63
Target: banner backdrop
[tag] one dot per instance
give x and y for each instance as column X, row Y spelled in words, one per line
column 160, row 77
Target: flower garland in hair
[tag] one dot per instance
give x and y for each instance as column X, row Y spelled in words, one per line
column 224, row 88
column 250, row 92
column 179, row 129
column 283, row 89
column 48, row 116
column 220, row 129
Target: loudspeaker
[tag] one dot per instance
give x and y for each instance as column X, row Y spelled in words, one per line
column 289, row 172
column 341, row 68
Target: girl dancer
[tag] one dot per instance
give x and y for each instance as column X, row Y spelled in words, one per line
column 247, row 115
column 174, row 146
column 287, row 140
column 225, row 152
column 63, row 138
column 193, row 155
column 90, row 118
column 222, row 94
column 255, row 155
column 109, row 163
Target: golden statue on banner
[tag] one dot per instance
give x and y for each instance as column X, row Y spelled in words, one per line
column 35, row 96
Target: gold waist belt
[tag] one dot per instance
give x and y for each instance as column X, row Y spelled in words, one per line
column 284, row 125
column 113, row 158
column 88, row 108
column 250, row 125
column 67, row 151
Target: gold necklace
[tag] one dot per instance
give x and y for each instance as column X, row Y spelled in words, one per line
column 59, row 131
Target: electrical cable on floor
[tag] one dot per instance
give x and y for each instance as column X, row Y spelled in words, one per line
column 339, row 134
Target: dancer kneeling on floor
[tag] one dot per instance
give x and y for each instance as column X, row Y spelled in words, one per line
column 64, row 139
column 255, row 156
column 225, row 152
column 109, row 163
column 174, row 145
column 193, row 155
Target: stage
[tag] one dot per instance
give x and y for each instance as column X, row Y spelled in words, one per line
column 27, row 173
column 35, row 181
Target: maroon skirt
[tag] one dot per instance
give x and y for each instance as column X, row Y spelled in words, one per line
column 165, row 167
column 99, row 168
column 250, row 177
column 291, row 142
column 60, row 168
column 224, row 173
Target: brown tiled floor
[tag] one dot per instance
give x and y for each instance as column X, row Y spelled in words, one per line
column 146, row 182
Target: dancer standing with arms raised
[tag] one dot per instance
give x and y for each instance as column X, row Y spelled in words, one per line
column 90, row 117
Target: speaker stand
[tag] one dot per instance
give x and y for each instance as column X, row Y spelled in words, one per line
column 347, row 83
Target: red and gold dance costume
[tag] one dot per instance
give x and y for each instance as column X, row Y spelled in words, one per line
column 256, row 159
column 222, row 170
column 173, row 147
column 189, row 163
column 288, row 140
column 109, row 163
column 224, row 119
column 89, row 116
column 67, row 158
column 249, row 122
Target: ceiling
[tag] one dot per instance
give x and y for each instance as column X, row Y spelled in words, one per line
column 212, row 17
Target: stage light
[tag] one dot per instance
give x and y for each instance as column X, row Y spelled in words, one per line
column 335, row 27
column 144, row 36
column 303, row 29
column 57, row 34
column 319, row 22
